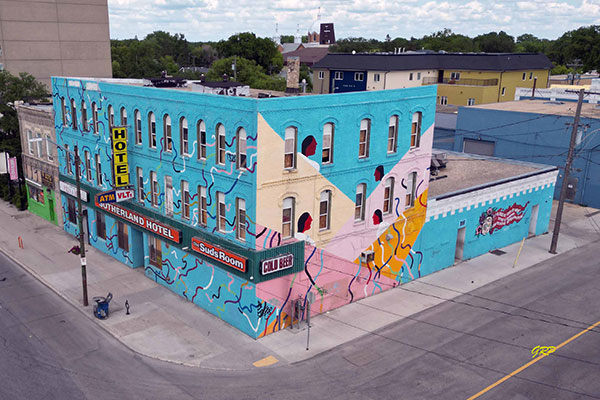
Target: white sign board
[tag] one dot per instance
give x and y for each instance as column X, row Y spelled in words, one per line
column 72, row 190
column 124, row 194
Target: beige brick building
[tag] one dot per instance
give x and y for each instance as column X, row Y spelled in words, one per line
column 55, row 38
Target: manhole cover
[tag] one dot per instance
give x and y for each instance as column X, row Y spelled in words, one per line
column 497, row 252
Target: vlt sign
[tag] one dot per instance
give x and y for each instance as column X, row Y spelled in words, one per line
column 120, row 164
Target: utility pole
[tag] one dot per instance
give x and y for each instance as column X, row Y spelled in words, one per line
column 80, row 221
column 563, row 188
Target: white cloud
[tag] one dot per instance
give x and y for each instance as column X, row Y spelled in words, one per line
column 203, row 20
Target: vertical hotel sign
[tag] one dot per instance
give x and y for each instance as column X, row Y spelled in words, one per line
column 120, row 164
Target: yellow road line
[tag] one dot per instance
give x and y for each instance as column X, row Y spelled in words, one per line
column 265, row 362
column 516, row 371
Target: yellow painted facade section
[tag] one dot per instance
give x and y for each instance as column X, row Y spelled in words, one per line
column 305, row 184
column 397, row 243
column 459, row 94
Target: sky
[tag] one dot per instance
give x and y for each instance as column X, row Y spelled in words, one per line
column 212, row 20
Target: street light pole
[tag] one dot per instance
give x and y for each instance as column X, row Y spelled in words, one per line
column 80, row 222
column 565, row 182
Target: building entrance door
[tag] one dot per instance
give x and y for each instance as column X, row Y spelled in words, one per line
column 51, row 209
column 137, row 248
column 460, row 244
column 533, row 220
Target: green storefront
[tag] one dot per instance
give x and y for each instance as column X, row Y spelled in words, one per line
column 41, row 199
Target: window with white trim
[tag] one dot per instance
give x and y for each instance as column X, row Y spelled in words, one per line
column 111, row 116
column 201, row 133
column 73, row 114
column 168, row 195
column 30, row 141
column 455, row 76
column 95, row 118
column 364, row 138
column 503, row 91
column 221, row 212
column 63, row 110
column 359, row 204
column 443, row 100
column 359, row 76
column 39, row 145
column 415, row 132
column 153, row 189
column 68, row 160
column 289, row 151
column 141, row 195
column 185, row 200
column 388, row 195
column 137, row 120
column 410, row 76
column 155, row 250
column 88, row 166
column 411, row 188
column 49, row 152
column 99, row 178
column 241, row 148
column 327, row 156
column 84, row 123
column 167, row 133
column 471, row 101
column 392, row 134
column 321, row 74
column 324, row 210
column 418, row 76
column 241, row 219
column 339, row 75
column 221, row 144
column 287, row 218
column 152, row 130
column 376, row 77
column 524, row 75
column 123, row 116
column 184, row 136
column 202, row 206
column 530, row 75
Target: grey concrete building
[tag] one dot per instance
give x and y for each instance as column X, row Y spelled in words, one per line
column 55, row 38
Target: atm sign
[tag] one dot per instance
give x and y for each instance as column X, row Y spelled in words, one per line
column 121, row 166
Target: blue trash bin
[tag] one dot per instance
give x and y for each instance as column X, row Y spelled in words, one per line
column 101, row 306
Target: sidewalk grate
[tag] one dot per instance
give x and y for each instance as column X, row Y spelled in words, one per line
column 497, row 252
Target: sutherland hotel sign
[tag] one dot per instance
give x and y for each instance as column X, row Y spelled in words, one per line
column 149, row 224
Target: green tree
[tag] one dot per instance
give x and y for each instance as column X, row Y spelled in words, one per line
column 287, row 39
column 262, row 51
column 448, row 41
column 17, row 88
column 581, row 44
column 247, row 73
column 494, row 42
column 528, row 43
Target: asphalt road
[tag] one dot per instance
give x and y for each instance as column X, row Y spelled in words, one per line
column 48, row 350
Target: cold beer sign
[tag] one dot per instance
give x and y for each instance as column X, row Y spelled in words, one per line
column 120, row 164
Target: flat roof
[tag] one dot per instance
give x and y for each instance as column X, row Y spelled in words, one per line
column 566, row 108
column 469, row 171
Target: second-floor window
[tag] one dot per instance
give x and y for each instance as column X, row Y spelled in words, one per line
column 73, row 114
column 359, row 204
column 137, row 117
column 376, row 77
column 388, row 195
column 185, row 200
column 68, row 160
column 202, row 206
column 443, row 100
column 415, row 132
column 123, row 116
column 455, row 76
column 364, row 138
column 287, row 219
column 324, row 210
column 327, row 156
column 201, row 133
column 392, row 134
column 221, row 144
column 154, row 189
column 152, row 130
column 221, row 212
column 140, row 183
column 84, row 122
column 289, row 151
column 184, row 136
column 111, row 116
column 411, row 188
column 471, row 102
column 241, row 219
column 168, row 195
column 241, row 148
column 88, row 166
column 99, row 179
column 321, row 74
column 167, row 133
column 95, row 118
column 339, row 75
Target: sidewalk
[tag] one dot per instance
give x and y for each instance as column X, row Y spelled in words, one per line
column 165, row 326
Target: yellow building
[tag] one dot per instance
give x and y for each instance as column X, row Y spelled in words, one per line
column 462, row 79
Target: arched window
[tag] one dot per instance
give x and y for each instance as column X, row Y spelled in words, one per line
column 324, row 210
column 95, row 118
column 138, row 126
column 73, row 114
column 359, row 205
column 123, row 116
column 241, row 148
column 411, row 189
column 201, row 133
column 184, row 136
column 84, row 124
column 393, row 134
column 327, row 157
column 289, row 157
column 287, row 220
column 388, row 195
column 221, row 144
column 364, row 138
column 63, row 110
column 167, row 133
column 152, row 129
column 111, row 116
column 240, row 231
column 415, row 133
